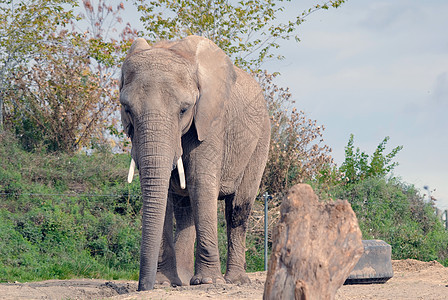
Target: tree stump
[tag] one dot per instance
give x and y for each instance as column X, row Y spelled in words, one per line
column 315, row 246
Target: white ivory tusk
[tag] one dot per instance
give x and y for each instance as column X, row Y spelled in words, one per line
column 180, row 169
column 131, row 171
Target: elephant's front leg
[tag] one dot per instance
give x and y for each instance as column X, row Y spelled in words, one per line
column 185, row 238
column 166, row 267
column 204, row 203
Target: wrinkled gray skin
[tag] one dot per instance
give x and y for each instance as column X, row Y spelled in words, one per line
column 187, row 99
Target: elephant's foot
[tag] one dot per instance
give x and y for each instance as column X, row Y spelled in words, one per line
column 237, row 277
column 185, row 274
column 207, row 278
column 168, row 278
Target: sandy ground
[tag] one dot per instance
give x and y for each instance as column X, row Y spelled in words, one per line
column 412, row 280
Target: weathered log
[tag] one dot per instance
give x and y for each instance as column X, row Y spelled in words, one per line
column 315, row 246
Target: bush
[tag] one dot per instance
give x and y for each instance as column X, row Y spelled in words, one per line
column 297, row 152
column 387, row 208
column 358, row 166
column 58, row 102
column 65, row 216
column 395, row 212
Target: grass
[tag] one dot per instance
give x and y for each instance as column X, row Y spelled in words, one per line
column 65, row 216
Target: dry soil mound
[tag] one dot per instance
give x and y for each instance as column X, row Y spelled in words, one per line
column 412, row 265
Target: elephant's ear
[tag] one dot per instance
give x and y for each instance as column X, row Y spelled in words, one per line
column 216, row 77
column 139, row 45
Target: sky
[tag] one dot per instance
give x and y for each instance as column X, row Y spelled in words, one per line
column 375, row 68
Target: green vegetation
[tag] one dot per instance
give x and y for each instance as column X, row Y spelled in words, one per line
column 390, row 210
column 357, row 167
column 247, row 30
column 387, row 208
column 58, row 84
column 65, row 216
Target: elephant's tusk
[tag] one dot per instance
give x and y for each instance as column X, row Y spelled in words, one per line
column 131, row 171
column 180, row 169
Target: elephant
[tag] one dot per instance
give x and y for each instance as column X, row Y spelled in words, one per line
column 200, row 132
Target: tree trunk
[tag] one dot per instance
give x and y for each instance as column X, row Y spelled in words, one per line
column 315, row 246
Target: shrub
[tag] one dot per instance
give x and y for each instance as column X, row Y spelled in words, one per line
column 358, row 165
column 395, row 212
column 297, row 152
column 65, row 216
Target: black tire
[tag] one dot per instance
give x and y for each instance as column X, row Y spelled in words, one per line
column 374, row 266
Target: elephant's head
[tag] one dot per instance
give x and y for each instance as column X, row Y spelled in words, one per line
column 164, row 90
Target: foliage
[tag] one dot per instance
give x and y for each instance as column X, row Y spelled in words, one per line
column 65, row 216
column 358, row 166
column 247, row 30
column 66, row 96
column 387, row 208
column 107, row 53
column 297, row 152
column 395, row 212
column 24, row 29
column 58, row 101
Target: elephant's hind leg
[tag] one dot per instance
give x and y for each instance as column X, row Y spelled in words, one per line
column 238, row 209
column 237, row 212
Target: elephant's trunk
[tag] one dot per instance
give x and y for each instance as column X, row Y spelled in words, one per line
column 155, row 164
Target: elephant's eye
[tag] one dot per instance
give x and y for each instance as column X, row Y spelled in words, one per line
column 130, row 130
column 183, row 110
column 129, row 120
column 129, row 113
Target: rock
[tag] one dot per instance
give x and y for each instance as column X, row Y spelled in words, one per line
column 315, row 246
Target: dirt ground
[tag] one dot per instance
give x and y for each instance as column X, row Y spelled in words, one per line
column 412, row 280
